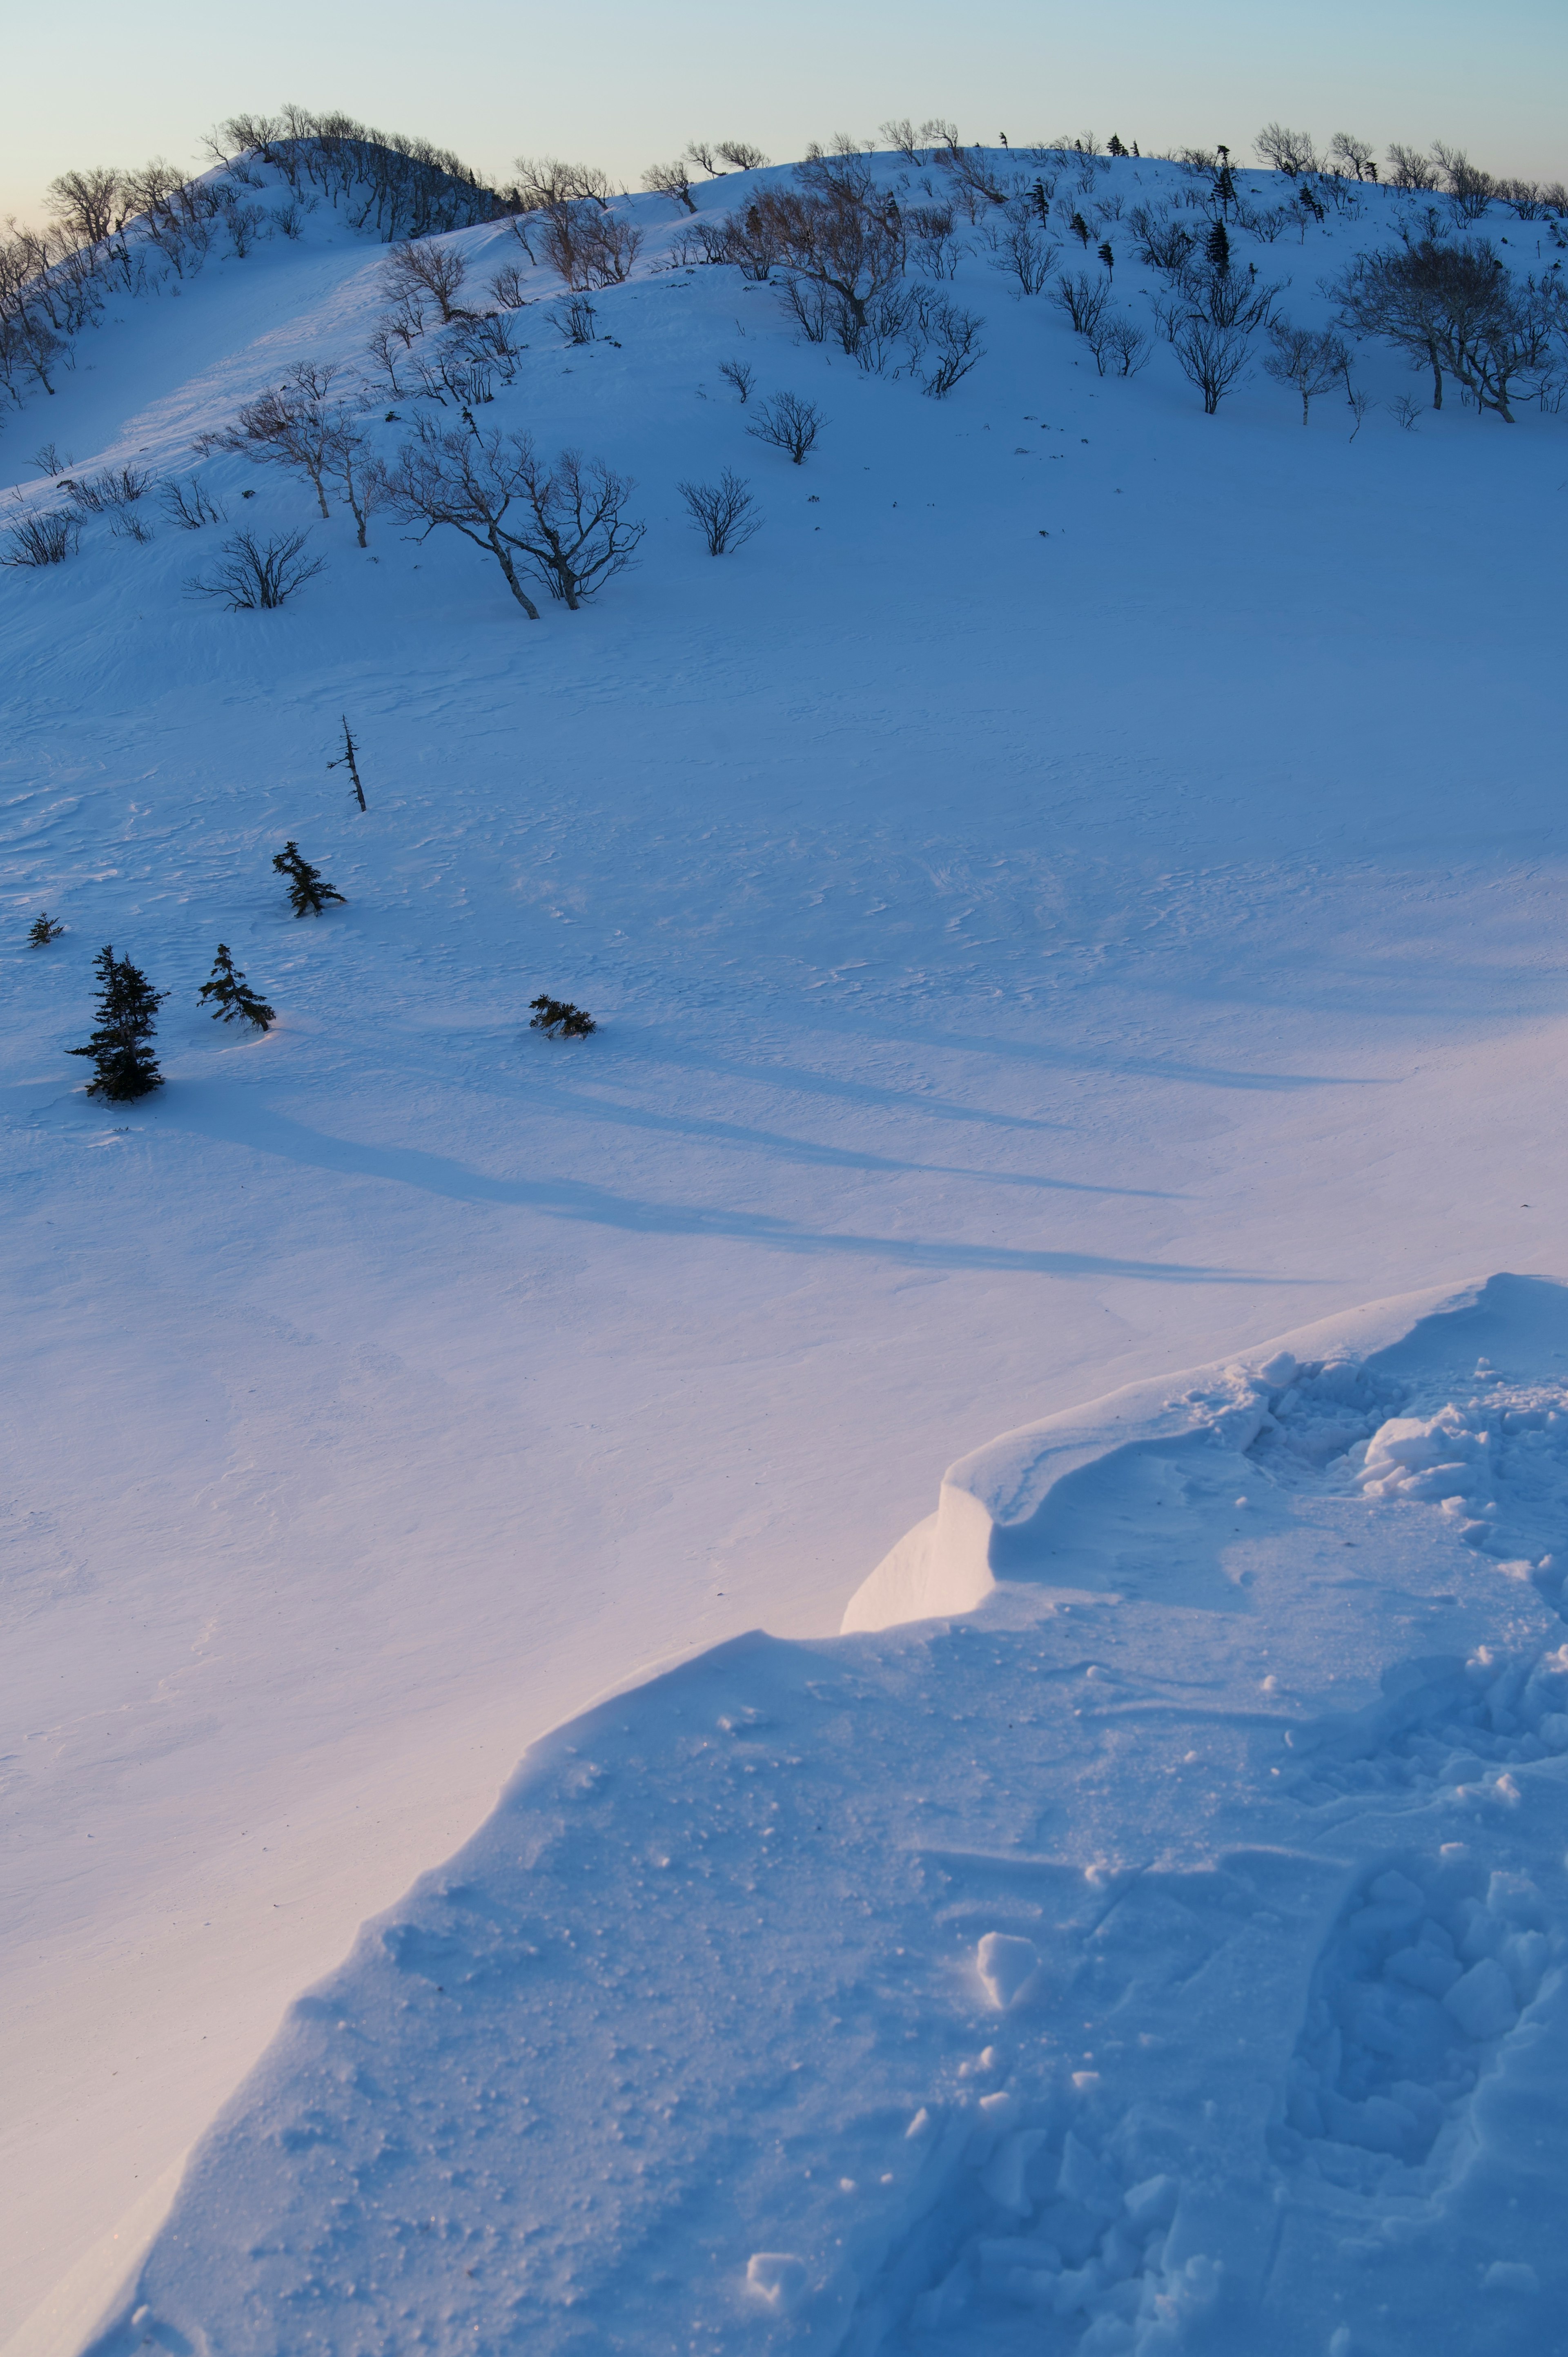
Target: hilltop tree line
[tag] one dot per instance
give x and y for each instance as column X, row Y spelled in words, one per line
column 857, row 263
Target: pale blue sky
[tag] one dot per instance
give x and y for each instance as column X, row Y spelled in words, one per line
column 625, row 86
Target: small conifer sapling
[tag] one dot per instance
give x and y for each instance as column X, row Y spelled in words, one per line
column 559, row 1019
column 43, row 931
column 232, row 995
column 122, row 1046
column 307, row 891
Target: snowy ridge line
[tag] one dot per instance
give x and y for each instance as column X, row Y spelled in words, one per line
column 953, row 1559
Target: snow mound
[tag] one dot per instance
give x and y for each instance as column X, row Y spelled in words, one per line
column 1112, row 1968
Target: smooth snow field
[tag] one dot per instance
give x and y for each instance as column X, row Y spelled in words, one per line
column 1080, row 895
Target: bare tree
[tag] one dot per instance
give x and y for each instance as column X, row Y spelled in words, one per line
column 788, row 424
column 290, row 426
column 940, row 328
column 1470, row 191
column 576, row 320
column 724, row 512
column 545, row 181
column 672, row 180
column 1023, row 253
column 1307, row 357
column 1403, row 411
column 1212, row 358
column 507, row 287
column 1126, row 345
column 1411, row 170
column 836, row 234
column 253, row 574
column 899, row 134
column 564, row 524
column 360, row 476
column 741, row 375
column 1290, row 152
column 1357, row 154
column 743, row 154
column 1456, row 308
column 89, row 205
column 587, row 245
column 700, row 153
column 416, row 268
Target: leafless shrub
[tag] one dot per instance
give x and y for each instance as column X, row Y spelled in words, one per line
column 258, row 575
column 1022, row 253
column 188, row 506
column 952, row 335
column 545, row 182
column 245, row 224
column 750, row 244
column 42, row 539
column 1308, row 359
column 115, row 488
column 973, row 174
column 587, row 245
column 672, row 180
column 506, row 286
column 48, row 461
column 129, row 525
column 1412, row 170
column 1403, row 411
column 789, row 423
column 742, row 156
column 1120, row 347
column 1213, row 358
column 387, row 348
column 724, row 512
column 417, row 268
column 1523, row 197
column 1164, row 243
column 741, row 375
column 576, row 320
column 289, row 218
column 899, row 134
column 1290, row 152
column 1360, row 403
column 1084, row 299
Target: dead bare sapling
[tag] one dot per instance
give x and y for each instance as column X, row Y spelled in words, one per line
column 741, row 375
column 45, row 538
column 188, row 505
column 1310, row 360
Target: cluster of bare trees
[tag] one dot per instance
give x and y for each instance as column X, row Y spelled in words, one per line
column 302, row 429
column 840, row 246
column 1457, row 310
column 116, row 231
column 393, row 185
column 1443, row 171
column 470, row 349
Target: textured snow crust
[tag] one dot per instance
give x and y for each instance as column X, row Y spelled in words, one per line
column 1148, row 1967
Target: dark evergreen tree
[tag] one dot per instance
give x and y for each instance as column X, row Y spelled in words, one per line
column 1081, row 230
column 307, row 893
column 232, row 994
column 43, row 931
column 560, row 1020
column 121, row 1047
column 1216, row 251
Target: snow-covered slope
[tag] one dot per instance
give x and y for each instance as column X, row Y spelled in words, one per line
column 1024, row 963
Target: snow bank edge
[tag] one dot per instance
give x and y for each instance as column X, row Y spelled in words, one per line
column 944, row 1564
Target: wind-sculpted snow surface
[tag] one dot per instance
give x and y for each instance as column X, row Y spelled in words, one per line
column 1102, row 1970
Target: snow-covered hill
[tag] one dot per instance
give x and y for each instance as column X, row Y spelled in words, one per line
column 1077, row 892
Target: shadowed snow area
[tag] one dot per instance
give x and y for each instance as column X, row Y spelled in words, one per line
column 1176, row 1967
column 1080, row 890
